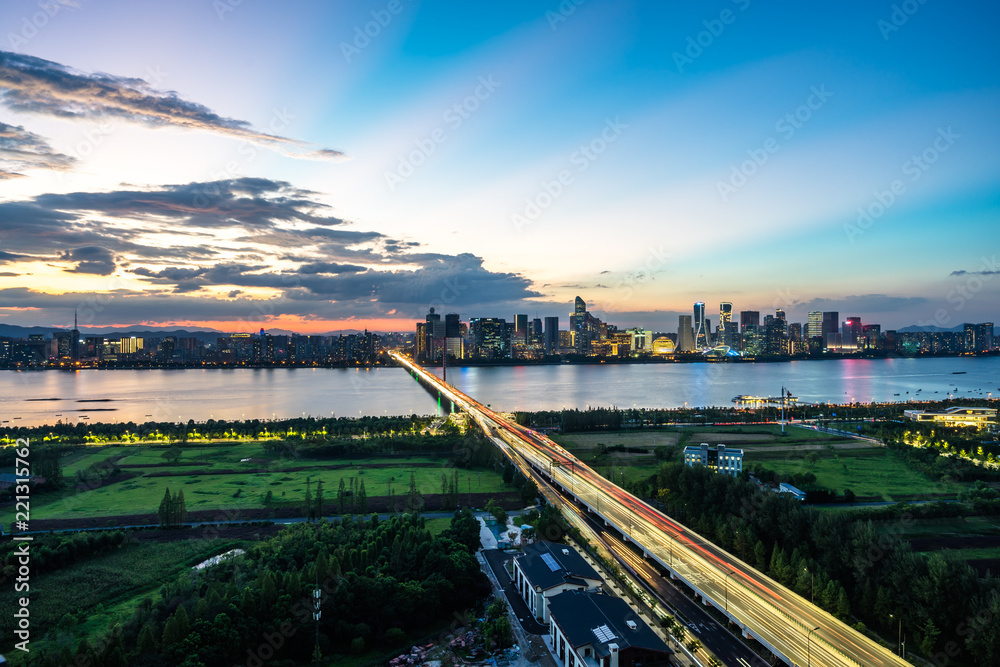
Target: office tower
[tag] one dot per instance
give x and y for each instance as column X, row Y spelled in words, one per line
column 535, row 332
column 452, row 325
column 780, row 315
column 872, row 336
column 582, row 326
column 815, row 326
column 851, row 333
column 977, row 338
column 551, row 336
column 521, row 328
column 831, row 323
column 490, row 338
column 725, row 315
column 700, row 334
column 749, row 318
column 685, row 334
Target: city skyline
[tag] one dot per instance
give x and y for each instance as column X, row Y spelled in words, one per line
column 495, row 161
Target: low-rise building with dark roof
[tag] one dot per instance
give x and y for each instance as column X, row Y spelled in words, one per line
column 545, row 569
column 597, row 630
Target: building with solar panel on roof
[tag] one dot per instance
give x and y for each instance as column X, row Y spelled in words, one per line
column 546, row 569
column 597, row 630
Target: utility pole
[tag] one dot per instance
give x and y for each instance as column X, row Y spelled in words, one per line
column 316, row 614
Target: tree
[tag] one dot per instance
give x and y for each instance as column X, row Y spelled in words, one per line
column 319, row 498
column 310, row 508
column 465, row 530
column 268, row 497
column 849, row 496
column 147, row 642
column 341, row 494
column 493, row 507
column 508, row 473
column 180, row 508
column 929, row 641
column 414, row 500
column 362, row 498
column 165, row 510
column 172, row 455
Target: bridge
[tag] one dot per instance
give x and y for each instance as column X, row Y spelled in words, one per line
column 795, row 630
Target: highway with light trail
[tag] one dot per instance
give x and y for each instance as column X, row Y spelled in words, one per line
column 796, row 630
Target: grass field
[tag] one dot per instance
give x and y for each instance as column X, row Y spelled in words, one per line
column 952, row 527
column 88, row 596
column 142, row 494
column 874, row 472
column 849, row 464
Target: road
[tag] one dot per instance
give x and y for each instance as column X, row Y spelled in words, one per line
column 799, row 632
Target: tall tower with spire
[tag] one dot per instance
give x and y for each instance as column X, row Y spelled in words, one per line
column 74, row 343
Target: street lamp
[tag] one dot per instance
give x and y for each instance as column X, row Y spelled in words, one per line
column 809, row 646
column 899, row 643
column 726, row 579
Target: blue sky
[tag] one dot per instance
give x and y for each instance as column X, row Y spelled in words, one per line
column 497, row 159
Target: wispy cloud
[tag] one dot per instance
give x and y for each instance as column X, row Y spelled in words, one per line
column 963, row 272
column 21, row 149
column 30, row 84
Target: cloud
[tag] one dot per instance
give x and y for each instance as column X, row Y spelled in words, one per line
column 866, row 303
column 30, row 84
column 91, row 259
column 963, row 272
column 21, row 149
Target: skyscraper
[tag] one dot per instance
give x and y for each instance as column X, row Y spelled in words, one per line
column 551, row 335
column 725, row 315
column 521, row 329
column 831, row 322
column 749, row 318
column 700, row 333
column 815, row 326
column 685, row 334
column 851, row 334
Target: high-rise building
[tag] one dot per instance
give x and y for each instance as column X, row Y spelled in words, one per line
column 685, row 334
column 814, row 327
column 551, row 335
column 490, row 337
column 521, row 329
column 700, row 327
column 725, row 314
column 779, row 314
column 535, row 332
column 749, row 318
column 831, row 322
column 851, row 334
column 977, row 337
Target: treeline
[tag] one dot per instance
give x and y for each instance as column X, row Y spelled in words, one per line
column 965, row 444
column 52, row 552
column 380, row 581
column 601, row 419
column 854, row 568
column 303, row 429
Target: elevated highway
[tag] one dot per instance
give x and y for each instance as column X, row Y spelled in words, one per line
column 797, row 631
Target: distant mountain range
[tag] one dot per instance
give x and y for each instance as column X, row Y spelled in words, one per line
column 954, row 329
column 205, row 335
column 209, row 335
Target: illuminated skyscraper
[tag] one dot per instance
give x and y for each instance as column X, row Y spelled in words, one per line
column 815, row 326
column 685, row 335
column 700, row 333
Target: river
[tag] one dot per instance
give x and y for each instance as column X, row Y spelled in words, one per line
column 34, row 398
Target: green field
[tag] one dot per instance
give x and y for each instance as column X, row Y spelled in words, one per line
column 952, row 527
column 89, row 596
column 142, row 494
column 874, row 472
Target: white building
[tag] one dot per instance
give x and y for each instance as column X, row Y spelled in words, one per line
column 596, row 630
column 546, row 569
column 981, row 418
column 721, row 459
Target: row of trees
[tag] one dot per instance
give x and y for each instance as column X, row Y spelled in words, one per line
column 855, row 568
column 300, row 429
column 52, row 552
column 380, row 582
column 172, row 511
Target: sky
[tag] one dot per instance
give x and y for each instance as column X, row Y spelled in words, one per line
column 318, row 166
